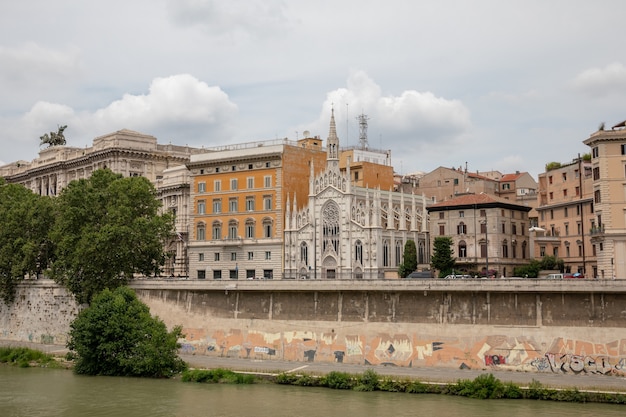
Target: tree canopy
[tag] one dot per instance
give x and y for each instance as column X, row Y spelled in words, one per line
column 442, row 259
column 116, row 335
column 107, row 229
column 409, row 263
column 25, row 247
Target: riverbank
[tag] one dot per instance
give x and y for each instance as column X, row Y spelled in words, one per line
column 582, row 382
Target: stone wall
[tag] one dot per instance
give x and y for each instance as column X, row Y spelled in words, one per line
column 538, row 330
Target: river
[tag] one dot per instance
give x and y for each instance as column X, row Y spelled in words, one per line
column 37, row 392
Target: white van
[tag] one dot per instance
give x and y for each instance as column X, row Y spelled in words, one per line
column 555, row 276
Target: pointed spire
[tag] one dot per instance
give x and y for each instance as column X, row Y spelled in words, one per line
column 332, row 143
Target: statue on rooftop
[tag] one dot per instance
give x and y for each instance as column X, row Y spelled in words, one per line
column 54, row 138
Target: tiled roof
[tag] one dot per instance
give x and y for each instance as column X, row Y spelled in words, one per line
column 477, row 200
column 510, row 177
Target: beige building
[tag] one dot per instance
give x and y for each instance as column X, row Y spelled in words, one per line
column 565, row 216
column 608, row 225
column 444, row 184
column 489, row 234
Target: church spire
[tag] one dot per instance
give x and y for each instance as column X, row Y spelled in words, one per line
column 332, row 143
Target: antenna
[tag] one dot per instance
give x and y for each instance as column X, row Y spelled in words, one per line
column 363, row 131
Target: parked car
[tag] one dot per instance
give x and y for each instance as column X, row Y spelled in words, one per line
column 555, row 276
column 420, row 274
column 574, row 275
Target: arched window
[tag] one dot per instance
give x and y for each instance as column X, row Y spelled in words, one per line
column 200, row 231
column 398, row 252
column 250, row 228
column 462, row 249
column 385, row 253
column 267, row 228
column 217, row 230
column 461, row 229
column 330, row 226
column 232, row 229
column 304, row 253
column 505, row 249
column 358, row 251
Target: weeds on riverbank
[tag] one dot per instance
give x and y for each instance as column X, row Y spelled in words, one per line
column 24, row 358
column 217, row 376
column 484, row 386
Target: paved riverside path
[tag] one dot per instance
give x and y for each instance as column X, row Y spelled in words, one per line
column 587, row 382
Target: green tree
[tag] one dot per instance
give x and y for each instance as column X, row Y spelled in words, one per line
column 108, row 228
column 116, row 335
column 442, row 259
column 410, row 259
column 25, row 247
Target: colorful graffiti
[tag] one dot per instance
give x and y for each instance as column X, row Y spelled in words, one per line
column 497, row 351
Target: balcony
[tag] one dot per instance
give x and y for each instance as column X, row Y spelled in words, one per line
column 232, row 241
column 597, row 230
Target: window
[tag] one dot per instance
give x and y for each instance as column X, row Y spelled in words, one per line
column 200, row 257
column 596, row 196
column 551, row 214
column 503, row 227
column 513, row 229
column 304, row 253
column 565, row 212
column 565, row 192
column 358, row 251
column 201, row 274
column 551, row 195
column 232, row 229
column 385, row 253
column 217, row 230
column 483, row 213
column 267, row 228
column 201, row 207
column 233, row 184
column 442, row 230
column 542, row 251
column 550, row 179
column 249, row 273
column 268, row 274
column 596, row 173
column 217, row 274
column 233, row 273
column 268, row 255
column 233, row 256
column 216, row 256
column 249, row 166
column 200, row 232
column 578, row 209
column 555, row 252
column 566, row 229
column 233, row 167
column 441, row 215
column 623, row 149
column 267, row 202
column 250, row 181
column 217, row 205
column 564, row 176
column 461, row 213
column 462, row 249
column 461, row 229
column 483, row 228
column 217, row 185
column 217, row 169
column 232, row 205
column 267, row 181
column 398, row 252
column 505, row 249
column 201, row 187
column 250, row 229
column 249, row 203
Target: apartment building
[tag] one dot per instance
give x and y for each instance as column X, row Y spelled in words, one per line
column 238, row 195
column 608, row 224
column 490, row 235
column 443, row 184
column 565, row 216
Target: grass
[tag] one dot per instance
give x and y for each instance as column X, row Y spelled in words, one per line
column 24, row 358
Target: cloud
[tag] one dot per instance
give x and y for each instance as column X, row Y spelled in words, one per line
column 179, row 108
column 600, row 82
column 249, row 19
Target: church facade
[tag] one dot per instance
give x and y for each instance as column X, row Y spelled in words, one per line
column 348, row 232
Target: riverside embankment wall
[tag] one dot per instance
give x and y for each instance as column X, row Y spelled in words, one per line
column 545, row 326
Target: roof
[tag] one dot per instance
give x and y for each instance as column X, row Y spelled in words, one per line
column 511, row 177
column 476, row 201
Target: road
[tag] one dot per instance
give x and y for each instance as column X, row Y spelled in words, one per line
column 588, row 382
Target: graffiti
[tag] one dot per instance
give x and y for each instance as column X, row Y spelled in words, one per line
column 576, row 364
column 186, row 348
column 491, row 360
column 47, row 339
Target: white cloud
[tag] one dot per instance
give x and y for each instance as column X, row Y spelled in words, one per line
column 599, row 82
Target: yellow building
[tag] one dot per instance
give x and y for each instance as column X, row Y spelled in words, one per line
column 608, row 227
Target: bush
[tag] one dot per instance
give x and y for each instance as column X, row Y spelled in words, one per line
column 337, row 380
column 24, row 357
column 116, row 335
column 368, row 381
column 217, row 376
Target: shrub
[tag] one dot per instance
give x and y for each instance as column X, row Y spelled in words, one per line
column 24, row 357
column 368, row 381
column 217, row 376
column 337, row 380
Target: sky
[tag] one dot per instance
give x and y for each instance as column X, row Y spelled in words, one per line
column 487, row 85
